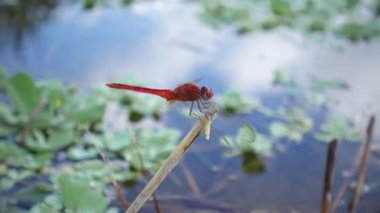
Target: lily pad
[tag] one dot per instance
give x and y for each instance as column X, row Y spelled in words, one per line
column 44, row 208
column 283, row 79
column 97, row 173
column 339, row 128
column 16, row 156
column 56, row 140
column 80, row 153
column 234, row 102
column 248, row 140
column 322, row 85
column 154, row 146
column 78, row 196
column 89, row 113
column 23, row 92
column 296, row 124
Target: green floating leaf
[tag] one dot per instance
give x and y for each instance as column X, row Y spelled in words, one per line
column 16, row 156
column 278, row 129
column 52, row 91
column 321, row 85
column 233, row 102
column 357, row 31
column 154, row 147
column 80, row 153
column 97, row 173
column 56, row 140
column 112, row 141
column 263, row 145
column 78, row 196
column 296, row 125
column 149, row 106
column 337, row 128
column 87, row 114
column 317, row 99
column 281, row 78
column 248, row 140
column 281, row 8
column 23, row 92
column 44, row 208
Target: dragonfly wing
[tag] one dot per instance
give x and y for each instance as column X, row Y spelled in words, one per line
column 195, row 81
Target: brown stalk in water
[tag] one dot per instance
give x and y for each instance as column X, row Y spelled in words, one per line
column 363, row 166
column 329, row 176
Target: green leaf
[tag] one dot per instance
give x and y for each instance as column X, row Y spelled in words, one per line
column 53, row 92
column 281, row 8
column 337, row 128
column 98, row 174
column 78, row 196
column 90, row 113
column 14, row 155
column 57, row 139
column 80, row 153
column 354, row 31
column 278, row 130
column 6, row 183
column 234, row 102
column 263, row 145
column 23, row 92
column 43, row 208
column 154, row 147
column 250, row 141
column 321, row 85
column 283, row 79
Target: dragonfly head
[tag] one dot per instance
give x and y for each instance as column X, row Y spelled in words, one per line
column 206, row 93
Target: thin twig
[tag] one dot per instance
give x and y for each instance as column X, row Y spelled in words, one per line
column 32, row 116
column 363, row 166
column 329, row 176
column 116, row 186
column 172, row 161
column 190, row 180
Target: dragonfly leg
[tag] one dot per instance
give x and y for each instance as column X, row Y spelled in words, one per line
column 191, row 108
column 200, row 105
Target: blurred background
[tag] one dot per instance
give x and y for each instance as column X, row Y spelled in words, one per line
column 272, row 64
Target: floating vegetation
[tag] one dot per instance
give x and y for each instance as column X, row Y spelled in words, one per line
column 337, row 127
column 49, row 131
column 297, row 124
column 310, row 17
column 248, row 140
column 233, row 102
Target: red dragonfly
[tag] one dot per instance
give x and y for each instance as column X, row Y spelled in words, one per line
column 188, row 92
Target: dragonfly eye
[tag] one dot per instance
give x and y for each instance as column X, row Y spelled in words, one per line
column 206, row 93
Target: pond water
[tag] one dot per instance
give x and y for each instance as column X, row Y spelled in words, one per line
column 165, row 44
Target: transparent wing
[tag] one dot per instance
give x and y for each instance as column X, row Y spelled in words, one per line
column 196, row 81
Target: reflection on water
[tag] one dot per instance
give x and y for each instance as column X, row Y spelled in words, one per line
column 167, row 45
column 19, row 19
